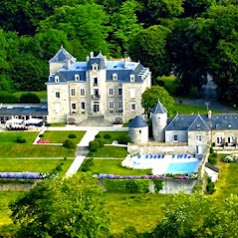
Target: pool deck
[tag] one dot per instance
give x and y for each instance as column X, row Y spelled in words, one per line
column 160, row 163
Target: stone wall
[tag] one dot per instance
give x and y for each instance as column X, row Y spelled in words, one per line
column 16, row 187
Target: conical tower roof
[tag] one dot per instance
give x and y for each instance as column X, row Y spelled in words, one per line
column 159, row 108
column 137, row 122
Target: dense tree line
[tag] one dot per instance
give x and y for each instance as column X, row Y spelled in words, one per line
column 189, row 38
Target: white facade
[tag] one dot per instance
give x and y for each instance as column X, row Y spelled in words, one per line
column 96, row 87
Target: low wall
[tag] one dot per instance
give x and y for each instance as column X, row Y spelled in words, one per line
column 155, row 148
column 16, row 187
column 171, row 186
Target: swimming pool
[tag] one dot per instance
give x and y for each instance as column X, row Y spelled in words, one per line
column 184, row 167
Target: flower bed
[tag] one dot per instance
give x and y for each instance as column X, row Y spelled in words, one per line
column 113, row 176
column 24, row 175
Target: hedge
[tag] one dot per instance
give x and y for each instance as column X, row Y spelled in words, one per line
column 158, row 184
column 126, row 185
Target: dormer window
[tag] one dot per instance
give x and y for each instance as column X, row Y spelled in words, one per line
column 56, row 79
column 114, row 76
column 132, row 78
column 95, row 67
column 76, row 77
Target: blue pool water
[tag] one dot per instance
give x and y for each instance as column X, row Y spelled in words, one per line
column 186, row 167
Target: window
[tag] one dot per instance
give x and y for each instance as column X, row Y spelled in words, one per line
column 94, row 67
column 83, row 105
column 72, row 92
column 95, row 81
column 119, row 91
column 114, row 76
column 111, row 105
column 198, row 137
column 82, row 92
column 132, row 78
column 76, row 77
column 219, row 140
column 57, row 94
column 56, row 79
column 119, row 105
column 175, row 137
column 132, row 93
column 133, row 106
column 230, row 140
column 111, row 92
column 73, row 106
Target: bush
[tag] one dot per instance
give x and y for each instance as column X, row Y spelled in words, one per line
column 211, row 150
column 97, row 136
column 107, row 136
column 127, row 185
column 69, row 144
column 87, row 165
column 41, row 135
column 29, row 98
column 6, row 97
column 210, row 186
column 158, row 184
column 123, row 139
column 21, row 140
column 72, row 136
column 59, row 167
column 212, row 159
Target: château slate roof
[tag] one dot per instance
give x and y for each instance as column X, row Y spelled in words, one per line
column 159, row 108
column 137, row 122
column 27, row 111
column 122, row 68
column 62, row 56
column 198, row 125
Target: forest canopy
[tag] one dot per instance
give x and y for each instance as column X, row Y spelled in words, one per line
column 190, row 39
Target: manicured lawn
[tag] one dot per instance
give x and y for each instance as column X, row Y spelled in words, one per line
column 114, row 135
column 33, row 165
column 110, row 152
column 61, row 136
column 5, row 198
column 40, row 94
column 143, row 211
column 9, row 148
column 227, row 182
column 111, row 166
column 56, row 124
column 189, row 109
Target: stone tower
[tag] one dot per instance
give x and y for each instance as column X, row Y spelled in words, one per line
column 138, row 130
column 159, row 116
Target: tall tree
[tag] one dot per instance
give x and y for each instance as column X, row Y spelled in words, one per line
column 69, row 207
column 84, row 25
column 125, row 25
column 199, row 216
column 149, row 46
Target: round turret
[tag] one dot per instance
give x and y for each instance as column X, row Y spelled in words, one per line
column 159, row 116
column 138, row 130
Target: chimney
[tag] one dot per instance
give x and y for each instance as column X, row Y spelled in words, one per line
column 91, row 54
column 209, row 114
column 87, row 58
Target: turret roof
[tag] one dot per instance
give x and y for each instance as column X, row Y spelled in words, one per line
column 159, row 108
column 138, row 122
column 62, row 56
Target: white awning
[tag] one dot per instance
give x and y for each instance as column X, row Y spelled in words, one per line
column 14, row 121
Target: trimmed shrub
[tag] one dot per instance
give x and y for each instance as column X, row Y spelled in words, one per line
column 212, row 159
column 72, row 136
column 158, row 184
column 107, row 136
column 69, row 144
column 29, row 98
column 87, row 165
column 127, row 185
column 210, row 186
column 6, row 97
column 97, row 136
column 59, row 167
column 21, row 140
column 211, row 150
column 123, row 139
column 41, row 135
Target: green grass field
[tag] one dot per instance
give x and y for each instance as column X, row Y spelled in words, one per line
column 142, row 211
column 114, row 135
column 111, row 166
column 61, row 136
column 33, row 165
column 40, row 94
column 9, row 148
column 110, row 152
